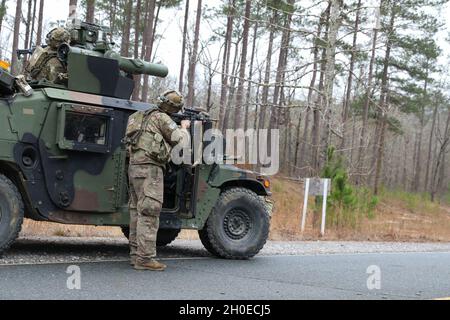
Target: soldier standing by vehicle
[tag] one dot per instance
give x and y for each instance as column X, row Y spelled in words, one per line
column 44, row 63
column 150, row 138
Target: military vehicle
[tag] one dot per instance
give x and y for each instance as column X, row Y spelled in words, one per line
column 62, row 158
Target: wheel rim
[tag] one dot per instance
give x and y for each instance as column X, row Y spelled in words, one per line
column 237, row 224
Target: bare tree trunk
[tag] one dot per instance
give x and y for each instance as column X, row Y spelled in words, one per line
column 113, row 14
column 368, row 98
column 40, row 21
column 282, row 63
column 183, row 48
column 301, row 159
column 298, row 140
column 90, row 11
column 414, row 163
column 14, row 59
column 265, row 93
column 148, row 44
column 384, row 101
column 155, row 25
column 438, row 174
column 252, row 62
column 137, row 38
column 33, row 20
column 348, row 95
column 286, row 147
column 28, row 25
column 257, row 101
column 352, row 148
column 238, row 123
column 405, row 170
column 2, row 13
column 125, row 45
column 418, row 156
column 315, row 130
column 209, row 93
column 232, row 86
column 422, row 125
column 226, row 63
column 430, row 146
column 194, row 57
column 73, row 8
column 335, row 24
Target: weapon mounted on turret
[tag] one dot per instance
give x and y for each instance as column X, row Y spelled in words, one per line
column 93, row 67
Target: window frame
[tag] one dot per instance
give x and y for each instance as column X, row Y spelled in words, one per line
column 82, row 109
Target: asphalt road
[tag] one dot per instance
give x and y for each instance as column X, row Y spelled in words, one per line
column 335, row 276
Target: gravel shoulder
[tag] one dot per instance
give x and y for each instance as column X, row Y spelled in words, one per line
column 48, row 250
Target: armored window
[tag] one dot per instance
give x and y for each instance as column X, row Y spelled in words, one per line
column 85, row 128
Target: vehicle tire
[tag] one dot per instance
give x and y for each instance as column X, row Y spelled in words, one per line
column 238, row 226
column 11, row 213
column 203, row 235
column 164, row 237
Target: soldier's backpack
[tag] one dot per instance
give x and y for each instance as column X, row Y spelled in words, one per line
column 38, row 61
column 136, row 125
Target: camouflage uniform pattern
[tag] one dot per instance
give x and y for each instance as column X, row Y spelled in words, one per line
column 44, row 63
column 146, row 177
column 146, row 198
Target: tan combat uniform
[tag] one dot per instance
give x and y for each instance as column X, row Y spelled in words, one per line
column 148, row 158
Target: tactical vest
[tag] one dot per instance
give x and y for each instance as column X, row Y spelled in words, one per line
column 39, row 60
column 142, row 135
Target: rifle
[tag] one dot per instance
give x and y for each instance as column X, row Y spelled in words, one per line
column 195, row 116
column 24, row 52
column 192, row 115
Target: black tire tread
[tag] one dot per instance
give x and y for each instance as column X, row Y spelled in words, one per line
column 160, row 243
column 204, row 238
column 18, row 227
column 214, row 247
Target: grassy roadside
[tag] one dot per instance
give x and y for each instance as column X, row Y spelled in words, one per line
column 398, row 216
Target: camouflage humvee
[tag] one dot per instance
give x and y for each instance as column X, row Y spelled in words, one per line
column 62, row 158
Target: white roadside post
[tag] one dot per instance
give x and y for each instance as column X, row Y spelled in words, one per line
column 305, row 204
column 324, row 206
column 316, row 187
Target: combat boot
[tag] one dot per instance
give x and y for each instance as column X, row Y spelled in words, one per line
column 151, row 265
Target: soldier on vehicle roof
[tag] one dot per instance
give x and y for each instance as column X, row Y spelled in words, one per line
column 44, row 63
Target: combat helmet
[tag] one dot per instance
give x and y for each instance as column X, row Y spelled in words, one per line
column 170, row 102
column 57, row 36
